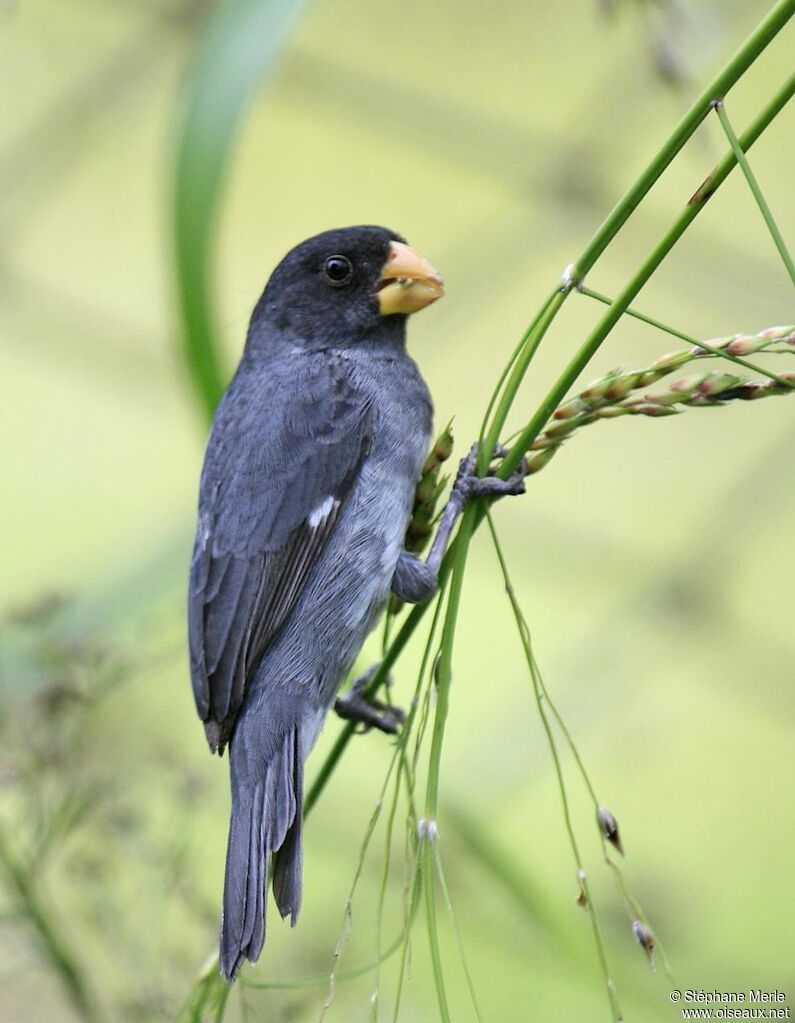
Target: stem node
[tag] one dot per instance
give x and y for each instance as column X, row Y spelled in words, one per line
column 427, row 829
column 570, row 279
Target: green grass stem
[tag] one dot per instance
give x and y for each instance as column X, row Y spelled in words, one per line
column 753, row 184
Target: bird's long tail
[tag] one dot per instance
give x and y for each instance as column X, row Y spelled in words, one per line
column 266, row 820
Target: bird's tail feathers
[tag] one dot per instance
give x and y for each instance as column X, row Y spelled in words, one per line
column 266, row 819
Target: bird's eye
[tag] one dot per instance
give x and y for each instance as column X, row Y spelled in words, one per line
column 339, row 270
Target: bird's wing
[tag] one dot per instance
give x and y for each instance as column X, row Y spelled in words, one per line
column 283, row 455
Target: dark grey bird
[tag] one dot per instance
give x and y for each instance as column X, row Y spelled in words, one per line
column 306, row 493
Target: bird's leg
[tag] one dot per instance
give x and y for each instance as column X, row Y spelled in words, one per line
column 355, row 705
column 415, row 580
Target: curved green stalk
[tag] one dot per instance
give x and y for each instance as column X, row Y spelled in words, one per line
column 241, row 44
column 533, row 338
column 511, row 363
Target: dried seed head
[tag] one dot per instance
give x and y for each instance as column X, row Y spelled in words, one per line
column 649, row 407
column 651, row 376
column 687, row 385
column 621, row 386
column 596, row 391
column 571, row 408
column 717, row 382
column 425, row 488
column 561, row 428
column 645, row 938
column 747, row 344
column 539, row 460
column 443, row 447
column 779, row 333
column 608, row 825
column 441, row 450
column 669, row 362
column 744, row 345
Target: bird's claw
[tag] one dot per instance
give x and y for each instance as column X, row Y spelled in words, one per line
column 368, row 711
column 470, row 486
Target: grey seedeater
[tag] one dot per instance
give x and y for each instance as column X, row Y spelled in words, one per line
column 306, row 492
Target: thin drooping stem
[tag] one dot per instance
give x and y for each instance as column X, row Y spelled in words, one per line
column 379, row 919
column 443, row 674
column 538, row 691
column 398, row 761
column 753, row 184
column 632, row 906
column 448, row 901
column 723, row 353
column 348, row 912
column 636, row 314
column 426, row 866
column 405, row 774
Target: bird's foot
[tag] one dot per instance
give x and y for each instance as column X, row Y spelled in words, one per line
column 470, row 486
column 368, row 711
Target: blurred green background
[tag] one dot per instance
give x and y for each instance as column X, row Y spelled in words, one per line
column 654, row 559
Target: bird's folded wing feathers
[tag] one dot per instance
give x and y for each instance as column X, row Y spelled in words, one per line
column 282, row 458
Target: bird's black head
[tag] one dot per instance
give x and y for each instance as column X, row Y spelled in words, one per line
column 341, row 287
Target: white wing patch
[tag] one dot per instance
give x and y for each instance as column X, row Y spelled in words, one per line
column 319, row 515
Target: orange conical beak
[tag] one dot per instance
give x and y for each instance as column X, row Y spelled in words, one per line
column 408, row 282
